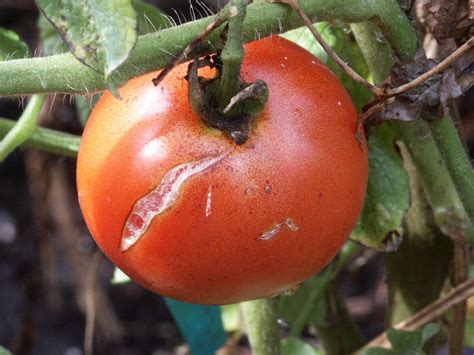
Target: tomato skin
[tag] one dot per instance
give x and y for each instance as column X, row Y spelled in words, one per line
column 302, row 173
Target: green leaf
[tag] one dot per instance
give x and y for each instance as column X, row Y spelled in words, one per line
column 150, row 18
column 51, row 41
column 387, row 199
column 338, row 39
column 100, row 33
column 296, row 346
column 377, row 351
column 119, row 277
column 312, row 290
column 307, row 305
column 404, row 342
column 4, row 351
column 11, row 46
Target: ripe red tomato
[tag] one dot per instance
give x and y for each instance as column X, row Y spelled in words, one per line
column 190, row 215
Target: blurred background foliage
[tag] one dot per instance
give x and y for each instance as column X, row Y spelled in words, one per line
column 46, row 251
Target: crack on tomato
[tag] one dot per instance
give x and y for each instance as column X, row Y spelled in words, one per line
column 276, row 228
column 209, row 201
column 161, row 198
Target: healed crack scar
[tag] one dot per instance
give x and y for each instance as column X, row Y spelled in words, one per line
column 161, row 198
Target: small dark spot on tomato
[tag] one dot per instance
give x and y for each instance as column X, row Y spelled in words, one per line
column 320, row 194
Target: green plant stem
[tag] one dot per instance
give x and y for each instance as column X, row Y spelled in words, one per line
column 232, row 55
column 64, row 73
column 45, row 139
column 437, row 183
column 458, row 164
column 376, row 51
column 260, row 317
column 448, row 209
column 449, row 213
column 23, row 128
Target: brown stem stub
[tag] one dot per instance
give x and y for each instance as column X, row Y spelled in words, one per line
column 237, row 118
column 259, row 87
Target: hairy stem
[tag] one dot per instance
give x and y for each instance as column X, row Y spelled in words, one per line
column 232, row 55
column 377, row 53
column 46, row 139
column 437, row 183
column 458, row 164
column 64, row 73
column 449, row 212
column 260, row 318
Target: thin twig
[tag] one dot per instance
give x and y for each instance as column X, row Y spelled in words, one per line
column 461, row 267
column 376, row 90
column 372, row 110
column 351, row 72
column 218, row 20
column 433, row 71
column 458, row 294
column 376, row 108
column 90, row 300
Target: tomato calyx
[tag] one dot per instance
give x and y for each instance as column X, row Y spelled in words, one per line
column 234, row 117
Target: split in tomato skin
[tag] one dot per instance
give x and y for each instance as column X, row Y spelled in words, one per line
column 262, row 218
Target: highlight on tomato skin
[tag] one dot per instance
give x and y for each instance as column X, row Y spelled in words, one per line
column 190, row 215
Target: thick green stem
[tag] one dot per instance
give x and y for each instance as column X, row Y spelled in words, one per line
column 440, row 192
column 232, row 55
column 449, row 213
column 64, row 73
column 45, row 139
column 458, row 164
column 23, row 128
column 260, row 318
column 376, row 50
column 448, row 209
column 437, row 183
